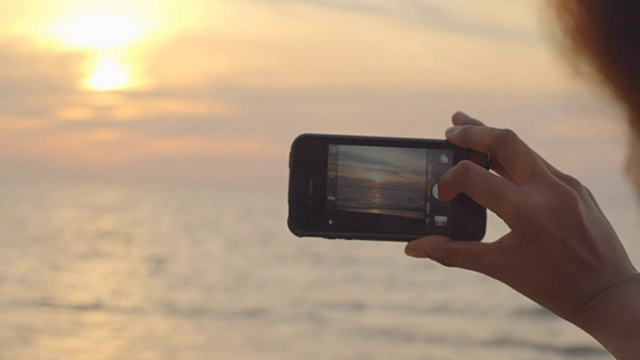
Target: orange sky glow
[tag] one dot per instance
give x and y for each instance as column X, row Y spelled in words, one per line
column 230, row 84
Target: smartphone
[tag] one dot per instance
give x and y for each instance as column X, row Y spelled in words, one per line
column 378, row 188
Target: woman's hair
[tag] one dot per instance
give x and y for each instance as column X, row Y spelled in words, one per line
column 605, row 36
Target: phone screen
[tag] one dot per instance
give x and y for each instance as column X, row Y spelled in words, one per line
column 386, row 188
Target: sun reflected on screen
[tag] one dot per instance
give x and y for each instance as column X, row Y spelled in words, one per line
column 377, row 177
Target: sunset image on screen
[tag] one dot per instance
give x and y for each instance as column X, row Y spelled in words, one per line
column 382, row 180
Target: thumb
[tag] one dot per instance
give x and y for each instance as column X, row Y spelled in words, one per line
column 475, row 256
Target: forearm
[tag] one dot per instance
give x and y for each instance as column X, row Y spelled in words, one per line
column 613, row 318
column 561, row 251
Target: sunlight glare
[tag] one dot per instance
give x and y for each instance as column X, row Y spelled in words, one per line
column 108, row 74
column 100, row 31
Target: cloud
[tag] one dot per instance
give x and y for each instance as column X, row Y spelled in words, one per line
column 31, row 79
column 256, row 136
column 452, row 16
column 227, row 103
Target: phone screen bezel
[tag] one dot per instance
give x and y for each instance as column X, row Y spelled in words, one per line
column 308, row 189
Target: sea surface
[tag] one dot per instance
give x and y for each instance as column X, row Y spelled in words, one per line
column 380, row 198
column 149, row 271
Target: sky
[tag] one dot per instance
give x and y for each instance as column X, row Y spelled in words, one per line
column 216, row 91
column 370, row 164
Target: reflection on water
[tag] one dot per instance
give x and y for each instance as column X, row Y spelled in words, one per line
column 138, row 272
column 375, row 197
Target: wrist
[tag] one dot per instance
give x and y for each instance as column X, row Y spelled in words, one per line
column 613, row 317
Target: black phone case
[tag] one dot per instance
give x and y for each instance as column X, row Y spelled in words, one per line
column 462, row 234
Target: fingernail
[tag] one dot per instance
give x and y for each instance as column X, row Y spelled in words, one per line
column 415, row 253
column 461, row 115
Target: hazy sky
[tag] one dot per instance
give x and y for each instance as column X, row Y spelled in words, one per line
column 216, row 90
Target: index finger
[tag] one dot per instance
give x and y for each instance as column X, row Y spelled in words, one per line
column 515, row 157
column 460, row 118
column 487, row 189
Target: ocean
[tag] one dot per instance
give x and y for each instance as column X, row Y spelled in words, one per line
column 100, row 270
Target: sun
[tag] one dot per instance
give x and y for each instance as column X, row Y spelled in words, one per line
column 107, row 75
column 107, row 39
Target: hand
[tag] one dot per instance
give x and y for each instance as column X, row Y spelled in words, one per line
column 561, row 251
